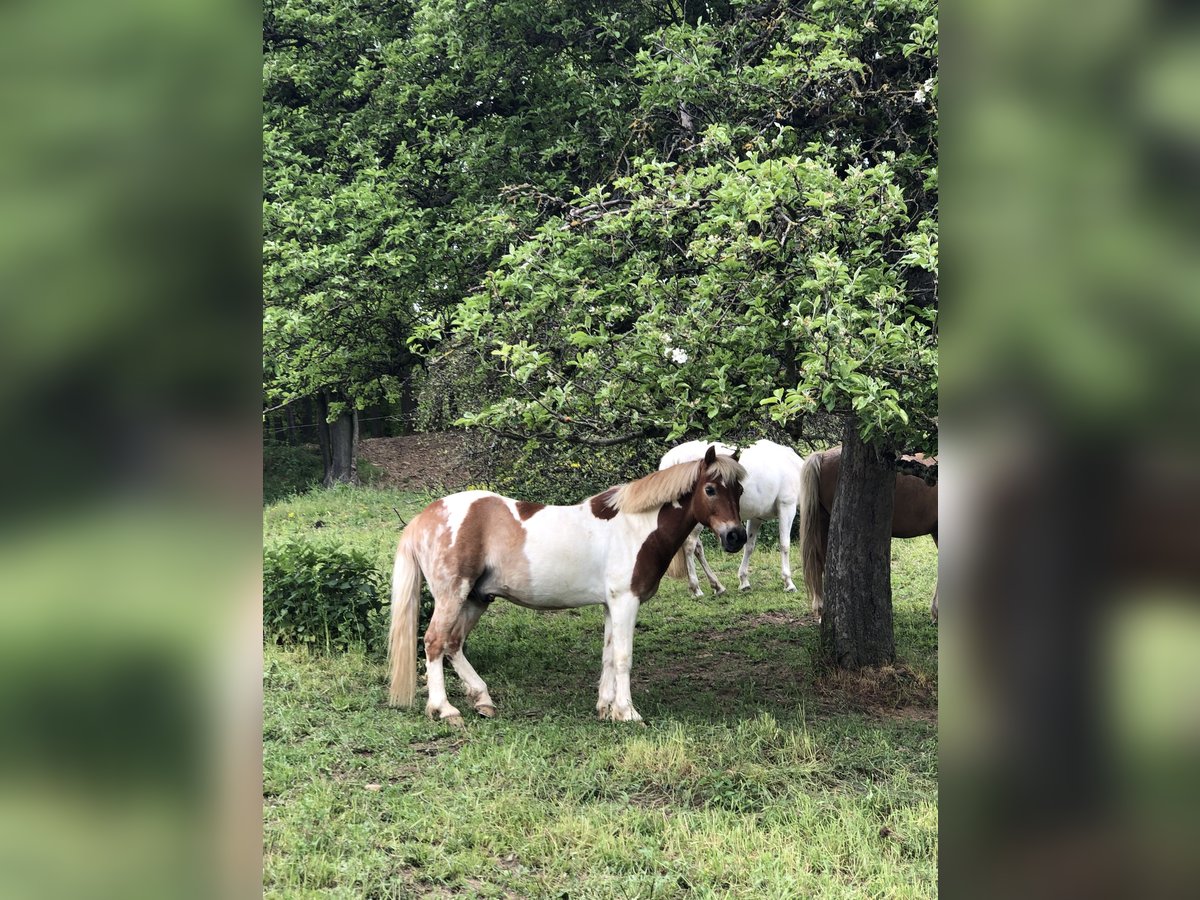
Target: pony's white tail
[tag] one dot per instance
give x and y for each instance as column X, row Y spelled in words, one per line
column 813, row 554
column 402, row 638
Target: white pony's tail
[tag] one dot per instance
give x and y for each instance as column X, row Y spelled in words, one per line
column 813, row 553
column 402, row 638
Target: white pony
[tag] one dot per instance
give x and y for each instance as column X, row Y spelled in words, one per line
column 770, row 490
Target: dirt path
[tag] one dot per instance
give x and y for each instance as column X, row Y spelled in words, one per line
column 416, row 462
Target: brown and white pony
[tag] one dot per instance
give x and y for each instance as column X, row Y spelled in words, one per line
column 915, row 513
column 612, row 548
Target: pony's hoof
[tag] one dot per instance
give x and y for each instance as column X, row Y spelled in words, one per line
column 455, row 721
column 486, row 710
column 616, row 714
column 697, row 593
column 744, row 587
column 789, row 588
column 718, row 590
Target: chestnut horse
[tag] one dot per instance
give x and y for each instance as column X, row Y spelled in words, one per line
column 915, row 513
column 611, row 549
column 770, row 490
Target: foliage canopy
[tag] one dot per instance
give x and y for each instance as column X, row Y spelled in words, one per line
column 641, row 219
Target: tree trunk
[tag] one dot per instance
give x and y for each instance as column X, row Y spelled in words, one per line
column 407, row 404
column 339, row 444
column 321, row 423
column 341, row 461
column 856, row 629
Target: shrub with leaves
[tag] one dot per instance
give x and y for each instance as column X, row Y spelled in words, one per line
column 289, row 470
column 327, row 597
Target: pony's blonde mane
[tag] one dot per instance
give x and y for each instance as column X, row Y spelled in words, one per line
column 668, row 485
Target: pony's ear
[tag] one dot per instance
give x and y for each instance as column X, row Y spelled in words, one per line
column 711, row 456
column 737, row 454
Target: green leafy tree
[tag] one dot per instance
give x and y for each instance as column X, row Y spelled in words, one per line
column 770, row 251
column 405, row 145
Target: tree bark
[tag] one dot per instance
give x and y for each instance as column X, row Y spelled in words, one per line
column 341, row 465
column 320, row 418
column 856, row 629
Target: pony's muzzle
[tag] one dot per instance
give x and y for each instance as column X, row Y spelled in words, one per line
column 733, row 539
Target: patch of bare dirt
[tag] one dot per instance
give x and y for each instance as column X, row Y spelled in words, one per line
column 889, row 691
column 777, row 618
column 725, row 672
column 414, row 462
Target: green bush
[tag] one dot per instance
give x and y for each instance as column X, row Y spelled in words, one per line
column 290, row 470
column 327, row 597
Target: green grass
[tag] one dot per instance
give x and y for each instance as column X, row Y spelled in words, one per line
column 756, row 775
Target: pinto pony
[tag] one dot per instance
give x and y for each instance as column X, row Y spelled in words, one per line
column 611, row 549
column 915, row 513
column 770, row 490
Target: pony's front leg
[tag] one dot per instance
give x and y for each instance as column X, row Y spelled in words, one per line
column 622, row 613
column 608, row 681
column 752, row 528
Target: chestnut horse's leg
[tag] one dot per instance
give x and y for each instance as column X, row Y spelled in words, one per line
column 477, row 690
column 933, row 606
column 787, row 514
column 622, row 610
column 751, row 539
column 717, row 587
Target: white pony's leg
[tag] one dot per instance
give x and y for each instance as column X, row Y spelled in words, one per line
column 622, row 610
column 933, row 607
column 751, row 539
column 717, row 587
column 608, row 681
column 787, row 515
column 477, row 690
column 690, row 547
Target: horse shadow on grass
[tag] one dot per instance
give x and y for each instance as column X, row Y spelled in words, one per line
column 755, row 663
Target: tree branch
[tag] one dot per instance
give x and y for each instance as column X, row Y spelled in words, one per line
column 648, row 431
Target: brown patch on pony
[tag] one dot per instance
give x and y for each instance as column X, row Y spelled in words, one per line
column 601, row 504
column 486, row 560
column 526, row 508
column 654, row 556
column 489, row 549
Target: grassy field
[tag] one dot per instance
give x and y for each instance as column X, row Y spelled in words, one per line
column 756, row 774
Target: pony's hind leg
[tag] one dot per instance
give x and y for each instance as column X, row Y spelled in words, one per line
column 717, row 587
column 691, row 546
column 477, row 690
column 752, row 528
column 439, row 639
column 787, row 515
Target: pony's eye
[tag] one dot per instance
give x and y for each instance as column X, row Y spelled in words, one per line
column 710, row 490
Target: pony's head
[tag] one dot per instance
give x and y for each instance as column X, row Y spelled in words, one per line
column 716, row 498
